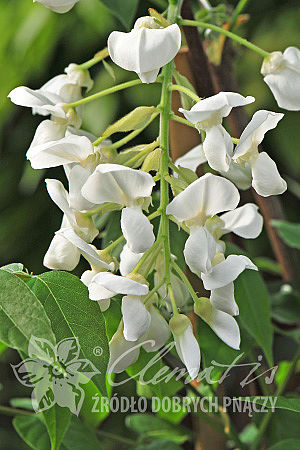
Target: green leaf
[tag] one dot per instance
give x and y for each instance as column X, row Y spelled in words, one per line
column 291, row 404
column 134, row 120
column 290, row 232
column 286, row 305
column 254, row 303
column 21, row 314
column 32, row 431
column 158, row 445
column 153, row 427
column 2, row 347
column 57, row 421
column 186, row 101
column 80, row 437
column 123, row 10
column 290, row 444
column 13, row 267
column 109, row 69
column 66, row 302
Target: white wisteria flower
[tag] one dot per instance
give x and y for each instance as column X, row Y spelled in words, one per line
column 282, row 74
column 207, row 115
column 265, row 176
column 224, row 325
column 128, row 260
column 146, row 48
column 59, row 6
column 192, row 159
column 124, row 352
column 126, row 187
column 62, row 254
column 197, row 206
column 186, row 344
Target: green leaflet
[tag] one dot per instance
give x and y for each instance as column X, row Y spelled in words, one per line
column 123, row 10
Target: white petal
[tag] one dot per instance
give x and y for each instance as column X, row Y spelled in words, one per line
column 136, row 318
column 192, row 159
column 137, row 230
column 117, row 184
column 199, row 250
column 148, row 77
column 61, row 254
column 87, row 277
column 59, row 6
column 122, row 353
column 215, row 107
column 98, row 292
column 226, row 327
column 218, row 147
column 77, row 177
column 78, row 76
column 62, row 86
column 128, row 260
column 63, row 151
column 86, row 250
column 144, row 49
column 244, row 221
column 158, row 332
column 223, row 299
column 60, row 196
column 284, row 82
column 24, row 96
column 206, row 196
column 240, row 176
column 226, row 271
column 47, row 131
column 266, row 179
column 120, row 285
column 254, row 133
column 188, row 350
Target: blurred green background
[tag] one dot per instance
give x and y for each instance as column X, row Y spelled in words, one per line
column 37, row 44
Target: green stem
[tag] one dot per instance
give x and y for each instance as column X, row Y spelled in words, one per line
column 146, row 255
column 191, row 94
column 116, row 438
column 118, row 87
column 14, row 411
column 133, row 134
column 266, row 419
column 186, row 281
column 234, row 37
column 107, row 207
column 238, row 9
column 97, row 58
column 149, row 295
column 181, row 120
column 148, row 148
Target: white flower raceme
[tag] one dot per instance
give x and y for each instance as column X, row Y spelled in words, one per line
column 186, row 344
column 130, row 188
column 224, row 325
column 59, row 6
column 197, row 207
column 124, row 352
column 282, row 75
column 265, row 177
column 207, row 115
column 62, row 254
column 146, row 49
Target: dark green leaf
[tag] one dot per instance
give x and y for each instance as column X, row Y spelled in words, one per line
column 153, row 427
column 290, row 232
column 80, row 437
column 72, row 314
column 57, row 421
column 32, row 431
column 123, row 10
column 21, row 314
column 290, row 444
column 158, row 445
column 291, row 404
column 254, row 303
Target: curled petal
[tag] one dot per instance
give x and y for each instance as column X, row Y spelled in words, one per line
column 226, row 328
column 199, row 199
column 158, row 332
column 188, row 350
column 122, row 353
column 77, row 177
column 137, row 230
column 136, row 318
column 199, row 250
column 24, row 96
column 117, row 184
column 192, row 159
column 128, row 260
column 223, row 299
column 244, row 221
column 61, row 254
column 144, row 50
column 107, row 285
column 218, row 148
column 226, row 271
column 265, row 176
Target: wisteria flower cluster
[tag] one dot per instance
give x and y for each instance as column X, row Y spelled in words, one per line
column 100, row 178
